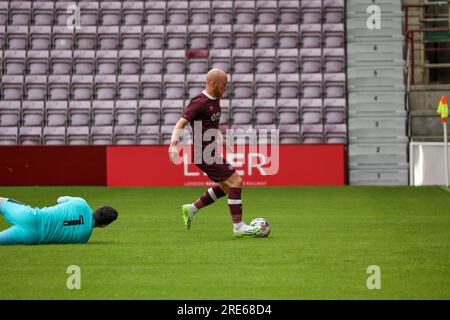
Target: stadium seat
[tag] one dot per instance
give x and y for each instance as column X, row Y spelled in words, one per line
column 311, row 111
column 312, row 133
column 147, row 135
column 166, row 134
column 105, row 87
column 9, row 113
column 265, row 36
column 79, row 113
column 311, row 35
column 220, row 59
column 287, row 111
column 40, row 37
column 153, row 37
column 103, row 113
column 242, row 61
column 244, row 12
column 125, row 135
column 128, row 87
column 333, row 60
column 83, row 62
column 20, row 13
column 264, row 111
column 173, row 85
column 77, row 135
column 151, row 86
column 289, row 133
column 17, row 37
column 86, row 38
column 243, row 36
column 129, row 62
column 199, row 12
column 311, row 11
column 54, row 136
column 42, row 13
column 8, row 135
column 152, row 61
column 198, row 37
column 15, row 62
column 177, row 12
column 197, row 66
column 174, row 62
column 195, row 83
column 35, row 87
column 175, row 37
column 222, row 12
column 242, row 86
column 12, row 87
column 287, row 61
column 82, row 88
column 266, row 12
column 58, row 87
column 108, row 37
column 288, row 85
column 221, row 36
column 265, row 61
column 106, row 62
column 126, row 112
column 130, row 37
column 266, row 86
column 155, row 12
column 267, row 134
column 149, row 112
column 2, row 37
column 37, row 62
column 333, row 35
column 132, row 13
column 334, row 85
column 62, row 12
column 61, row 62
column 336, row 133
column 241, row 111
column 30, row 135
column 171, row 111
column 288, row 36
column 110, row 13
column 311, row 60
column 102, row 135
column 56, row 113
column 88, row 13
column 311, row 85
column 333, row 11
column 63, row 38
column 289, row 12
column 335, row 111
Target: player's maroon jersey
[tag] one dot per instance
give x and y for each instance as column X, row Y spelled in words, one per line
column 203, row 108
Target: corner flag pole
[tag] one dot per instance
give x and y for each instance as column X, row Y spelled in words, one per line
column 443, row 111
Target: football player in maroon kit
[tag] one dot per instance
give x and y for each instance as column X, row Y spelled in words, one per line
column 205, row 109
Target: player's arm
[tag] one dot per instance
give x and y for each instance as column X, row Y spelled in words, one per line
column 224, row 142
column 173, row 149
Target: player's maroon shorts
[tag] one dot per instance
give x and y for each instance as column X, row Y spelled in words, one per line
column 217, row 172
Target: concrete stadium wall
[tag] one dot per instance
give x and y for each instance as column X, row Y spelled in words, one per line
column 149, row 166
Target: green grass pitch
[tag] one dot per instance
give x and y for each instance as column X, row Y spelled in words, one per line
column 323, row 239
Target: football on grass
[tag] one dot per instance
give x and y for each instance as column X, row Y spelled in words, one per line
column 264, row 224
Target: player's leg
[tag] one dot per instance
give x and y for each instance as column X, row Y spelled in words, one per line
column 234, row 186
column 10, row 236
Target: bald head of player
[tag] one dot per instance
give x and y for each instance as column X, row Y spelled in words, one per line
column 216, row 82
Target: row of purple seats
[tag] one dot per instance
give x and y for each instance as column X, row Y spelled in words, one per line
column 141, row 135
column 246, row 36
column 107, row 13
column 88, row 62
column 152, row 112
column 170, row 86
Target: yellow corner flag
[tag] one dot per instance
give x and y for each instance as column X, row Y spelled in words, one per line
column 443, row 109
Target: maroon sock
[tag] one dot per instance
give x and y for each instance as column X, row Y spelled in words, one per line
column 210, row 196
column 235, row 204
